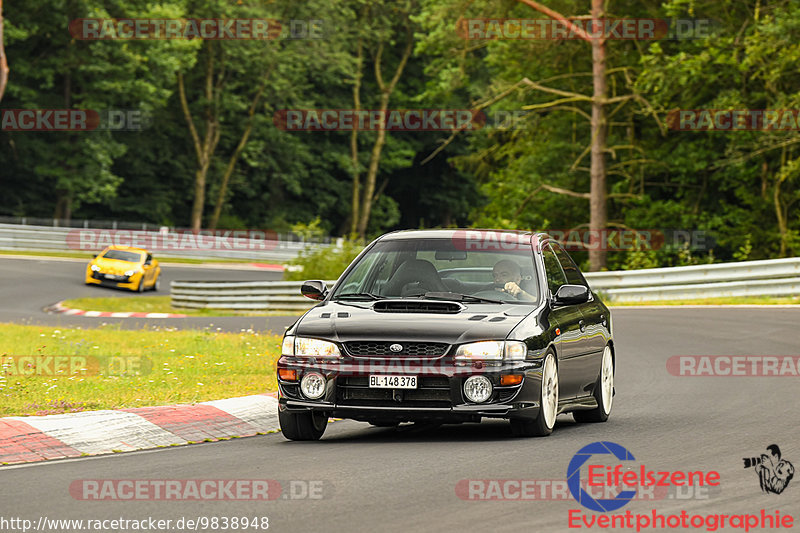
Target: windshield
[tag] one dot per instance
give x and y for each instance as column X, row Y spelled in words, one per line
column 437, row 268
column 120, row 255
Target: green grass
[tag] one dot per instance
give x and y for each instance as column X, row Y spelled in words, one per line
column 163, row 259
column 157, row 304
column 733, row 300
column 116, row 368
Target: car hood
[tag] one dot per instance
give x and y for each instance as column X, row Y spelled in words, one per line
column 340, row 321
column 114, row 266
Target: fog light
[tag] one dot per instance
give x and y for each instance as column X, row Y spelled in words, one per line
column 313, row 386
column 477, row 389
column 287, row 374
column 511, row 379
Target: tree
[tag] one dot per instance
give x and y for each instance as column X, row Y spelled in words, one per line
column 379, row 22
column 3, row 61
column 61, row 72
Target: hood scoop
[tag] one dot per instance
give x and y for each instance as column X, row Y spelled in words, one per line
column 416, row 306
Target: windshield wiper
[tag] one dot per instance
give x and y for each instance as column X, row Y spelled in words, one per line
column 457, row 296
column 359, row 296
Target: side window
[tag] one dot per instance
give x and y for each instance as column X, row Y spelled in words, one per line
column 574, row 276
column 555, row 276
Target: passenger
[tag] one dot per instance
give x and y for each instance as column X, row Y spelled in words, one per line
column 507, row 277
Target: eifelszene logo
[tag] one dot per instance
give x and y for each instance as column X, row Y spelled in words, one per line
column 574, row 477
column 774, row 473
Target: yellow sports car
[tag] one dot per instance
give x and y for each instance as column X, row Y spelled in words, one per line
column 125, row 267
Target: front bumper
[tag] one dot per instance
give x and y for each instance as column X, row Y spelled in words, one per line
column 122, row 281
column 438, row 397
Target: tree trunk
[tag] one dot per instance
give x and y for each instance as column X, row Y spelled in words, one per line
column 372, row 172
column 3, row 61
column 597, row 201
column 375, row 158
column 223, row 188
column 204, row 149
column 63, row 210
column 354, row 214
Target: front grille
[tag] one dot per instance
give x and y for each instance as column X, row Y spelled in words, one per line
column 386, row 395
column 381, row 348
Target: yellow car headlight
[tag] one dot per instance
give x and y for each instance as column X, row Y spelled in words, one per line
column 307, row 347
column 492, row 351
column 95, row 268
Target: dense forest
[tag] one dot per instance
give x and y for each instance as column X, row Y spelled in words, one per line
column 210, row 147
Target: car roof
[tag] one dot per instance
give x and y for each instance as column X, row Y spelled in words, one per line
column 456, row 232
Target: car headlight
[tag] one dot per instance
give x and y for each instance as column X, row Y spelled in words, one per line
column 130, row 273
column 95, row 268
column 306, row 347
column 492, row 351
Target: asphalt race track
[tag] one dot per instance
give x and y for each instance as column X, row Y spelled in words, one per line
column 360, row 478
column 27, row 286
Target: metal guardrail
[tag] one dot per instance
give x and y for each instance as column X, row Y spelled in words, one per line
column 240, row 295
column 66, row 239
column 775, row 277
column 779, row 277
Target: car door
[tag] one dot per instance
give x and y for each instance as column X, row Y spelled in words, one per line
column 594, row 322
column 149, row 271
column 570, row 343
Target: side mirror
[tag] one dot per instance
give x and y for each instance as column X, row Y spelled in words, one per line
column 572, row 294
column 95, row 255
column 314, row 289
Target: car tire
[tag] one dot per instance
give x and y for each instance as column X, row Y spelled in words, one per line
column 141, row 284
column 603, row 392
column 543, row 424
column 156, row 285
column 305, row 425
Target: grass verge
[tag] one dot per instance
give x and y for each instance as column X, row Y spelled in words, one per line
column 157, row 304
column 734, row 300
column 110, row 368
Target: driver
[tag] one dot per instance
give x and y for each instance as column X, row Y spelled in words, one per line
column 507, row 277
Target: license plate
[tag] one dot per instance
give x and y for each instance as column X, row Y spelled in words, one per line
column 114, row 276
column 393, row 382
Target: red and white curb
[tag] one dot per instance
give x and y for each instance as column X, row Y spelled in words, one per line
column 25, row 439
column 62, row 309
